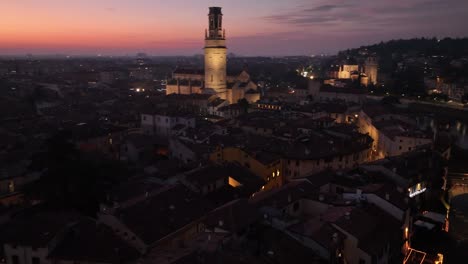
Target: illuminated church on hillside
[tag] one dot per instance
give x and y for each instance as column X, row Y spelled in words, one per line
column 214, row 78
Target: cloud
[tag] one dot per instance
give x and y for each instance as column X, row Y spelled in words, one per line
column 388, row 15
column 322, row 8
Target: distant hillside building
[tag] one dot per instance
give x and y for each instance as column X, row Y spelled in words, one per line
column 370, row 69
column 214, row 79
column 351, row 69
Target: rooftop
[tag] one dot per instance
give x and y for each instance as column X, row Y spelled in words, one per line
column 89, row 241
column 162, row 214
column 37, row 230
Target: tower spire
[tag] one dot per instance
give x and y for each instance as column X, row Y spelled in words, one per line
column 215, row 54
column 215, row 23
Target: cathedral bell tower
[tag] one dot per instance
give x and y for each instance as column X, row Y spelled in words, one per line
column 215, row 53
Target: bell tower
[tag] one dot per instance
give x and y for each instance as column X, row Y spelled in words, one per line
column 215, row 53
column 371, row 66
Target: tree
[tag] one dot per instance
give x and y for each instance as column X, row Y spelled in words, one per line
column 71, row 180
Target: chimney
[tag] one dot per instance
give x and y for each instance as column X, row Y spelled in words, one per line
column 387, row 196
column 335, row 237
column 358, row 192
column 321, row 197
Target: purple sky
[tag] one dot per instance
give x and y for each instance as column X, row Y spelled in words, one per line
column 253, row 27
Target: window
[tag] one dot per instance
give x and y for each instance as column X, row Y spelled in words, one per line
column 296, row 206
column 11, row 186
column 14, row 259
column 36, row 260
column 409, row 149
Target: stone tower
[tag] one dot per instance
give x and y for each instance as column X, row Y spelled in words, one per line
column 370, row 69
column 215, row 54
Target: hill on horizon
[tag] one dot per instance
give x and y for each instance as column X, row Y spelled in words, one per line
column 450, row 47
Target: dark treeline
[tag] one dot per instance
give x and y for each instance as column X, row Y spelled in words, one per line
column 451, row 47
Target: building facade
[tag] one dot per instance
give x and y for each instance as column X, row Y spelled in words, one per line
column 214, row 78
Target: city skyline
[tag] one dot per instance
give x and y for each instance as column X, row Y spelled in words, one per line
column 253, row 28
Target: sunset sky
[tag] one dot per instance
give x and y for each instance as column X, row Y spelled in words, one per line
column 253, row 27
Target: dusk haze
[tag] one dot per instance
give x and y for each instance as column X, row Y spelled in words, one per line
column 262, row 27
column 233, row 132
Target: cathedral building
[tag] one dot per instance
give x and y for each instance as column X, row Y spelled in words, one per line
column 214, row 78
column 350, row 69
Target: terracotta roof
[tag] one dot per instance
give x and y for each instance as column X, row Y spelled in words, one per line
column 89, row 241
column 37, row 230
column 163, row 214
column 373, row 228
column 233, row 216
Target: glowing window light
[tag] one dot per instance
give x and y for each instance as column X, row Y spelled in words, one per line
column 234, row 183
column 416, row 190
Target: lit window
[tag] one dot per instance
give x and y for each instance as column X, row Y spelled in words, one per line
column 234, row 183
column 11, row 186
